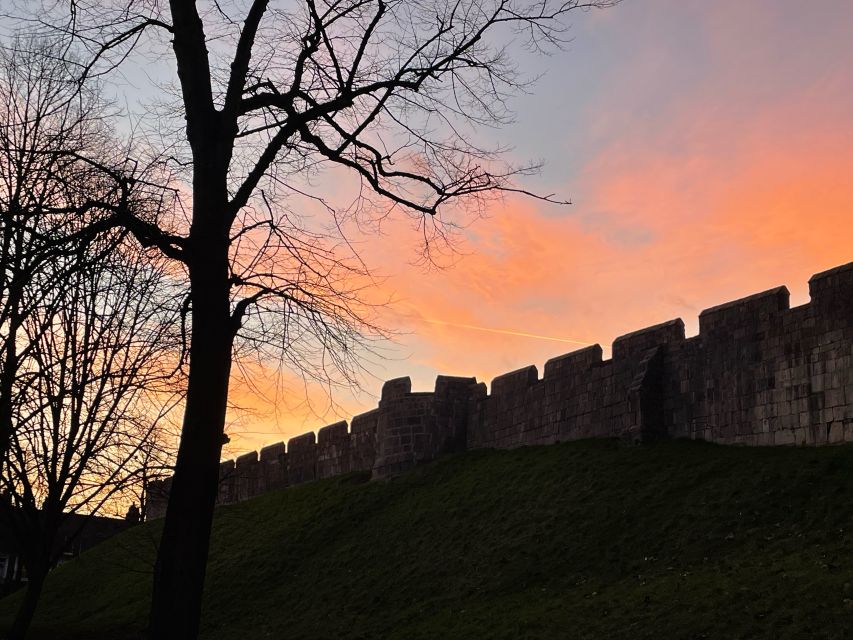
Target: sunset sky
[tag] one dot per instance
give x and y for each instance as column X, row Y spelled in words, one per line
column 708, row 152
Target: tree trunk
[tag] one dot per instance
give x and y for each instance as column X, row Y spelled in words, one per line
column 182, row 557
column 7, row 387
column 8, row 373
column 36, row 575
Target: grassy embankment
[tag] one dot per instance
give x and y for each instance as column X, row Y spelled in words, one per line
column 579, row 540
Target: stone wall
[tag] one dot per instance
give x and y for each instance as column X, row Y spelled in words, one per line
column 579, row 396
column 758, row 373
column 761, row 373
column 406, row 428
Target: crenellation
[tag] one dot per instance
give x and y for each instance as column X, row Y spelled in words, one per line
column 759, row 373
column 246, row 460
column 407, row 431
column 396, row 388
column 302, row 458
column 157, row 497
column 363, row 440
column 573, row 362
column 247, row 475
column 833, row 287
column 639, row 342
column 227, row 482
column 752, row 313
column 514, row 381
column 333, row 450
column 332, row 433
column 364, row 422
column 272, row 452
column 273, row 472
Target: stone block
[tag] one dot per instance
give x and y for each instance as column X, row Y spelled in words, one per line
column 836, row 432
column 272, row 452
column 396, row 388
column 636, row 342
column 514, row 381
column 332, row 433
column 743, row 315
column 579, row 361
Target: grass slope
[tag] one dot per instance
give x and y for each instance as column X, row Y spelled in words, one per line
column 579, row 540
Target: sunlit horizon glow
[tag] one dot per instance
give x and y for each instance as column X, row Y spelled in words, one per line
column 708, row 151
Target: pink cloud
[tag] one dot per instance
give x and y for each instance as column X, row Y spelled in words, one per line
column 701, row 183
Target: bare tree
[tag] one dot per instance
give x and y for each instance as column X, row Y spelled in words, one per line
column 391, row 91
column 154, row 460
column 76, row 305
column 41, row 115
column 98, row 379
column 63, row 180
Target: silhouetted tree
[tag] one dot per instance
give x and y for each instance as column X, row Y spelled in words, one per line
column 153, row 460
column 77, row 305
column 64, row 178
column 98, row 378
column 272, row 91
column 42, row 119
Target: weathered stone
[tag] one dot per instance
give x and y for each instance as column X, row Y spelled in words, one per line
column 302, row 459
column 758, row 374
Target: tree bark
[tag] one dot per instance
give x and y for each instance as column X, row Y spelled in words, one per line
column 12, row 287
column 182, row 557
column 7, row 386
column 36, row 575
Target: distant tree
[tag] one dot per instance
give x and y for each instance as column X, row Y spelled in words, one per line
column 154, row 460
column 270, row 92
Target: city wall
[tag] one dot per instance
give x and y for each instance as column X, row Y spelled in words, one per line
column 758, row 373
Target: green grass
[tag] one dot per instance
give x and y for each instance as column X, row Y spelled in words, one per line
column 578, row 540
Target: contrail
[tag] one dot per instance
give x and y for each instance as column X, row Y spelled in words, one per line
column 508, row 332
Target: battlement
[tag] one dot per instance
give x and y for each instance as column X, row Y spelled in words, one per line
column 745, row 313
column 453, row 385
column 272, row 452
column 301, row 443
column 573, row 362
column 364, row 421
column 637, row 342
column 396, row 388
column 514, row 381
column 758, row 373
column 832, row 284
column 247, row 459
column 332, row 433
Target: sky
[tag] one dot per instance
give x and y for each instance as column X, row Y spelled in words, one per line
column 707, row 148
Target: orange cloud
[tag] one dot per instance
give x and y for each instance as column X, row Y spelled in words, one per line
column 698, row 185
column 672, row 219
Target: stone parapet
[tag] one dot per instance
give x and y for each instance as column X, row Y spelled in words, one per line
column 758, row 373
